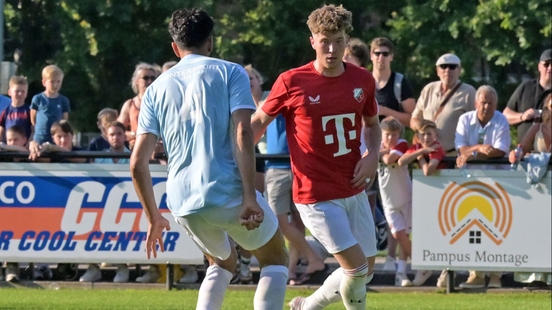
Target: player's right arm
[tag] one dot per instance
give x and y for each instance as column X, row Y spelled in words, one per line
column 259, row 122
column 251, row 215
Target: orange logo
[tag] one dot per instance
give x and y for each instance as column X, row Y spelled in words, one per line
column 475, row 207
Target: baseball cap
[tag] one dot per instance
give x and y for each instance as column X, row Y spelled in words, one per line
column 546, row 55
column 449, row 59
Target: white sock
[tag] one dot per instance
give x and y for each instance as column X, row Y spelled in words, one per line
column 327, row 294
column 213, row 288
column 271, row 289
column 353, row 287
column 401, row 267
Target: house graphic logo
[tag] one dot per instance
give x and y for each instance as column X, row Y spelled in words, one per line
column 477, row 209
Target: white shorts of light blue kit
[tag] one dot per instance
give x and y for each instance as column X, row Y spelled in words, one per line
column 210, row 229
column 341, row 223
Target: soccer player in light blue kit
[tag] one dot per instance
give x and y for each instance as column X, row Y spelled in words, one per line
column 201, row 109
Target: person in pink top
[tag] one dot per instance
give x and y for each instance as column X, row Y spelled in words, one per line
column 329, row 106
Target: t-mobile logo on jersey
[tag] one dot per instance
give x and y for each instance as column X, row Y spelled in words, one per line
column 340, row 133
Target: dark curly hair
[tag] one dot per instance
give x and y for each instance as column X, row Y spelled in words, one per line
column 190, row 28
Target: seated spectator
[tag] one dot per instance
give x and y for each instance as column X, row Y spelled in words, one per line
column 17, row 113
column 62, row 134
column 105, row 116
column 482, row 134
column 115, row 132
column 428, row 152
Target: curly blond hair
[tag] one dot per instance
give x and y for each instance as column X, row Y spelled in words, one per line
column 330, row 19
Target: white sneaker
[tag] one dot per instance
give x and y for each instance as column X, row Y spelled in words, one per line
column 122, row 274
column 389, row 264
column 190, row 275
column 421, row 277
column 151, row 276
column 296, row 303
column 245, row 274
column 402, row 280
column 92, row 274
column 443, row 278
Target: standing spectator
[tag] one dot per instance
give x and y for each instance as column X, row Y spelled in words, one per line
column 482, row 134
column 444, row 101
column 356, row 52
column 49, row 106
column 538, row 138
column 115, row 133
column 105, row 116
column 428, row 153
column 62, row 134
column 393, row 91
column 144, row 74
column 327, row 104
column 210, row 150
column 17, row 113
column 395, row 98
column 523, row 106
column 396, row 192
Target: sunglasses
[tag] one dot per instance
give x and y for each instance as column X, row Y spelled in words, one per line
column 384, row 54
column 547, row 64
column 451, row 67
column 148, row 78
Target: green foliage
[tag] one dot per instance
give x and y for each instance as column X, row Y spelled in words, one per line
column 98, row 43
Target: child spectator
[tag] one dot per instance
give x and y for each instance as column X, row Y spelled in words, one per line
column 49, row 106
column 396, row 191
column 105, row 116
column 428, row 152
column 115, row 132
column 16, row 140
column 17, row 113
column 62, row 134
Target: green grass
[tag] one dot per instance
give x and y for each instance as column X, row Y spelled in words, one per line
column 243, row 300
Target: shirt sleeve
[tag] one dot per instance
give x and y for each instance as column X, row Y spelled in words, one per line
column 66, row 105
column 502, row 140
column 240, row 90
column 147, row 120
column 514, row 101
column 3, row 117
column 412, row 148
column 276, row 102
column 406, row 90
column 437, row 154
column 419, row 109
column 35, row 102
column 400, row 149
column 461, row 136
column 371, row 107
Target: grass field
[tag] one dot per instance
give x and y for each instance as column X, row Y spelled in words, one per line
column 243, row 300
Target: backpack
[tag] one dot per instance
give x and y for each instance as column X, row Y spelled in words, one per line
column 397, row 88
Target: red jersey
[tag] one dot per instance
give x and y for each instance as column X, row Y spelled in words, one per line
column 323, row 124
column 438, row 153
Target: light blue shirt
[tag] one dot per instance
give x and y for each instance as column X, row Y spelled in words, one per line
column 189, row 107
column 110, row 160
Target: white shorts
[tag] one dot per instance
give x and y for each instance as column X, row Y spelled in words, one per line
column 400, row 218
column 341, row 223
column 210, row 229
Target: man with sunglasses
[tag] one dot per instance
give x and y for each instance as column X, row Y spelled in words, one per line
column 393, row 91
column 526, row 101
column 444, row 101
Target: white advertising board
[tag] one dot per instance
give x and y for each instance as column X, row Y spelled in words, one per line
column 491, row 221
column 82, row 213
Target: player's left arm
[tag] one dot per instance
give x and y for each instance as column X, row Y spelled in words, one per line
column 367, row 166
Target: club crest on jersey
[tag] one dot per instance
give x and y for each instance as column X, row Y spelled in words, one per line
column 358, row 93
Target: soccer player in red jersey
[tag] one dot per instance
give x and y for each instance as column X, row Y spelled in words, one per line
column 328, row 105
